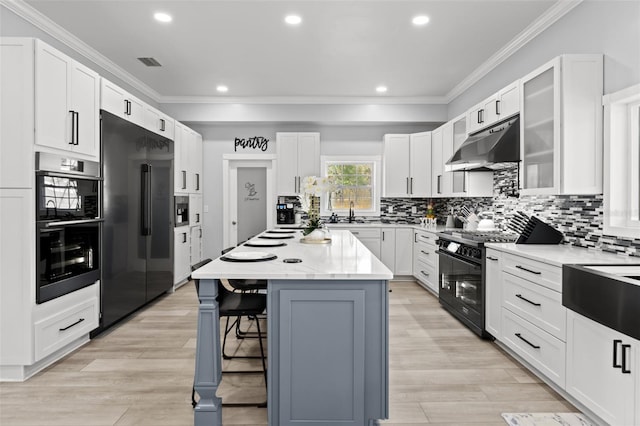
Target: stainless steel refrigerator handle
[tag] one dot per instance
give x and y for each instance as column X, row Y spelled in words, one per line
column 149, row 216
column 145, row 171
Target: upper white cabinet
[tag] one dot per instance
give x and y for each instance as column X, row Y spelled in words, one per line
column 561, row 127
column 495, row 108
column 405, row 157
column 119, row 102
column 440, row 181
column 66, row 103
column 187, row 160
column 158, row 122
column 602, row 370
column 298, row 156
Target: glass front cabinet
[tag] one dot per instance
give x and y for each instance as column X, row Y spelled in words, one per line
column 561, row 127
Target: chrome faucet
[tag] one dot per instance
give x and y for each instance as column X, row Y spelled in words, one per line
column 351, row 212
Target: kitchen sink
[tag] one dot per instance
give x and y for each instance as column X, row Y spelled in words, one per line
column 607, row 294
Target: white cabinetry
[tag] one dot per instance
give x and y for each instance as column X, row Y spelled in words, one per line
column 533, row 318
column 120, row 103
column 388, row 248
column 404, row 252
column 187, row 178
column 196, row 244
column 66, row 103
column 405, row 156
column 16, row 113
column 181, row 254
column 425, row 259
column 158, row 122
column 495, row 108
column 561, row 127
column 493, row 293
column 602, row 370
column 195, row 209
column 440, row 182
column 298, row 155
column 370, row 237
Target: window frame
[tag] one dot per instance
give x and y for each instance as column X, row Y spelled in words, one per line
column 622, row 162
column 376, row 181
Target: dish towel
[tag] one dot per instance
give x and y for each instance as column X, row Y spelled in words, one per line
column 546, row 419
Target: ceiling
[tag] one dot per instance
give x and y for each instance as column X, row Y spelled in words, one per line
column 341, row 50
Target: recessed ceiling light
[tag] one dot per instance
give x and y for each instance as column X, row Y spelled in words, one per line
column 381, row 89
column 222, row 88
column 420, row 20
column 292, row 19
column 162, row 17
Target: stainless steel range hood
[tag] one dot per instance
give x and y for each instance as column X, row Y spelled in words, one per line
column 495, row 148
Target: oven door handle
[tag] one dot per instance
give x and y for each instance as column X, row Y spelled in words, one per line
column 58, row 224
column 474, row 265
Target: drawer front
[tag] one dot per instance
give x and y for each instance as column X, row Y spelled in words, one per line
column 536, row 304
column 536, row 346
column 426, row 274
column 425, row 237
column 425, row 253
column 54, row 332
column 541, row 273
column 366, row 233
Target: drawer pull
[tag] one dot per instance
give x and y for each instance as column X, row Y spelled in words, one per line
column 424, row 273
column 528, row 270
column 519, row 296
column 355, row 232
column 615, row 353
column 526, row 341
column 424, row 252
column 74, row 324
column 624, row 359
column 492, row 258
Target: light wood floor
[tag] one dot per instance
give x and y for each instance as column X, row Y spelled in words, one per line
column 141, row 373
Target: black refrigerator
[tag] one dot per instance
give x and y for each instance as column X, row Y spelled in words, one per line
column 137, row 238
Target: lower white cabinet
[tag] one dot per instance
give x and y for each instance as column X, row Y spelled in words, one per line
column 493, row 293
column 403, row 264
column 196, row 244
column 181, row 254
column 370, row 237
column 603, row 371
column 425, row 259
column 388, row 248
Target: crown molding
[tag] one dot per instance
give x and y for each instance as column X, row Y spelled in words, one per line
column 302, row 100
column 30, row 14
column 548, row 18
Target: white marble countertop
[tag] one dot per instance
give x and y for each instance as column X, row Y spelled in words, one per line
column 345, row 258
column 559, row 255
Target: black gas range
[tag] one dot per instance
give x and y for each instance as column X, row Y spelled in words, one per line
column 461, row 274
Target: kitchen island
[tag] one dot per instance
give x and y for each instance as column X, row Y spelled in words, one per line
column 327, row 332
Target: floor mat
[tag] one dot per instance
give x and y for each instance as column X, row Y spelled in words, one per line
column 546, row 419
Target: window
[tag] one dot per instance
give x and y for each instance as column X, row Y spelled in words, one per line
column 356, row 180
column 622, row 163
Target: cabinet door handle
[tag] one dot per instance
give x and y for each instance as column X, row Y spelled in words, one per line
column 382, row 235
column 77, row 127
column 411, row 186
column 498, row 107
column 71, row 325
column 492, row 258
column 197, row 217
column 426, row 274
column 126, row 107
column 184, row 179
column 624, row 359
column 200, row 232
column 424, row 252
column 615, row 353
column 73, row 127
column 184, row 237
column 439, row 176
column 519, row 336
column 519, row 296
column 479, row 113
column 415, row 237
column 355, row 232
column 197, row 181
column 162, row 124
column 528, row 270
column 464, row 181
column 407, row 184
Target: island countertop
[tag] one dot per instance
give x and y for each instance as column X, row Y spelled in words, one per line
column 344, row 258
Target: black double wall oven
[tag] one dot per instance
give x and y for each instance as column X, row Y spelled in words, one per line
column 67, row 225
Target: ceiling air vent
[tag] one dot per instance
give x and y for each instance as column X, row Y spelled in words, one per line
column 150, row 62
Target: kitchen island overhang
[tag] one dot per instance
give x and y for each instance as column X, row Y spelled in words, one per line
column 328, row 333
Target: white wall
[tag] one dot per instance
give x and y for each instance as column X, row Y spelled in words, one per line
column 611, row 27
column 218, row 139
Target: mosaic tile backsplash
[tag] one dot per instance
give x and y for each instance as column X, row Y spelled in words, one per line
column 578, row 217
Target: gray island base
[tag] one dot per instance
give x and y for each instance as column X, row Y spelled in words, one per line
column 327, row 334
